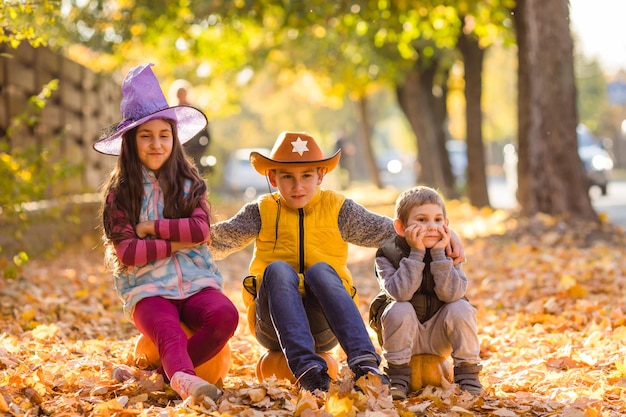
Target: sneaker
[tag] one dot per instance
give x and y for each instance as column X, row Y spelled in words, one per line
column 466, row 376
column 315, row 379
column 400, row 377
column 398, row 392
column 187, row 385
column 369, row 368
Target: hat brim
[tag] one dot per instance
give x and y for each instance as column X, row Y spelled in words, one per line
column 189, row 122
column 262, row 163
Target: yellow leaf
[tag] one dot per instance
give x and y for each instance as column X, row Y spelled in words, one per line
column 566, row 281
column 592, row 412
column 28, row 315
column 620, row 334
column 340, row 407
column 371, row 384
column 621, row 367
column 306, row 402
column 43, row 332
column 108, row 408
column 82, row 293
column 576, row 291
column 499, row 412
column 4, row 407
column 257, row 394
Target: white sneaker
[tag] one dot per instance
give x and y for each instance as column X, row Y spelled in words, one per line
column 187, row 385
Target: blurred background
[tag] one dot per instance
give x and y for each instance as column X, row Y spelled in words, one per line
column 390, row 83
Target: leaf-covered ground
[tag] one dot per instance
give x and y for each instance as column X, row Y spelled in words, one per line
column 551, row 312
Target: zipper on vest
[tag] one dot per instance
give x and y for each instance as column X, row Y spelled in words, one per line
column 301, row 232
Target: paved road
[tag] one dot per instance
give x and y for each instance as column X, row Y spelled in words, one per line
column 613, row 204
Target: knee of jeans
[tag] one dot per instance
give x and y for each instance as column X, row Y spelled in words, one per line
column 277, row 266
column 322, row 273
column 320, row 267
column 281, row 271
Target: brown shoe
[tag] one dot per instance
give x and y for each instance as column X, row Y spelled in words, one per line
column 400, row 378
column 466, row 376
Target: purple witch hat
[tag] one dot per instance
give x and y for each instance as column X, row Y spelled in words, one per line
column 143, row 100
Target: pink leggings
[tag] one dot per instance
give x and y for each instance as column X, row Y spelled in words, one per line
column 209, row 314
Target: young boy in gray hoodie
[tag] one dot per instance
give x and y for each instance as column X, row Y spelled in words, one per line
column 422, row 307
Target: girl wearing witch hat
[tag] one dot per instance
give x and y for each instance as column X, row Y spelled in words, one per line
column 155, row 218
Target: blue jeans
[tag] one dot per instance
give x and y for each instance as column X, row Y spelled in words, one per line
column 301, row 326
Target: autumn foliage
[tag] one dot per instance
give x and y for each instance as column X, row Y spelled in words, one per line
column 550, row 300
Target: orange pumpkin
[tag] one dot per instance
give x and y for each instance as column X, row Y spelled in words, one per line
column 212, row 370
column 273, row 362
column 430, row 370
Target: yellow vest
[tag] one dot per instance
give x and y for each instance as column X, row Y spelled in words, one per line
column 305, row 237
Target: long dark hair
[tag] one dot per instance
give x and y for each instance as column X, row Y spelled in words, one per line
column 125, row 185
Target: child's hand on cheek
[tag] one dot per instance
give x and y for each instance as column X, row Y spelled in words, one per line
column 414, row 236
column 444, row 232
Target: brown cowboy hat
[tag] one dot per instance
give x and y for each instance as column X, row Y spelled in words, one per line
column 293, row 149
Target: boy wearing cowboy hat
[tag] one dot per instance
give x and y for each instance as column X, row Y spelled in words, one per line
column 300, row 295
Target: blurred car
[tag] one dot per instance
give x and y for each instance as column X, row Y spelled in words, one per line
column 596, row 160
column 399, row 169
column 457, row 154
column 598, row 163
column 396, row 169
column 240, row 179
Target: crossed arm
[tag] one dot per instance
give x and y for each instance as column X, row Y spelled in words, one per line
column 155, row 239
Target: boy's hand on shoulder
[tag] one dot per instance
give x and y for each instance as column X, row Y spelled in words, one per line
column 455, row 249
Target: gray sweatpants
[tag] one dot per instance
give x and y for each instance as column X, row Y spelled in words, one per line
column 451, row 331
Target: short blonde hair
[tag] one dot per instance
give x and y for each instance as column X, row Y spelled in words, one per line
column 417, row 196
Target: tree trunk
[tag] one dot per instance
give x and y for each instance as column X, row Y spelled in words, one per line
column 473, row 56
column 551, row 177
column 365, row 141
column 440, row 106
column 415, row 97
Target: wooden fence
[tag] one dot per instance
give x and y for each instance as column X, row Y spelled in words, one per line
column 72, row 119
